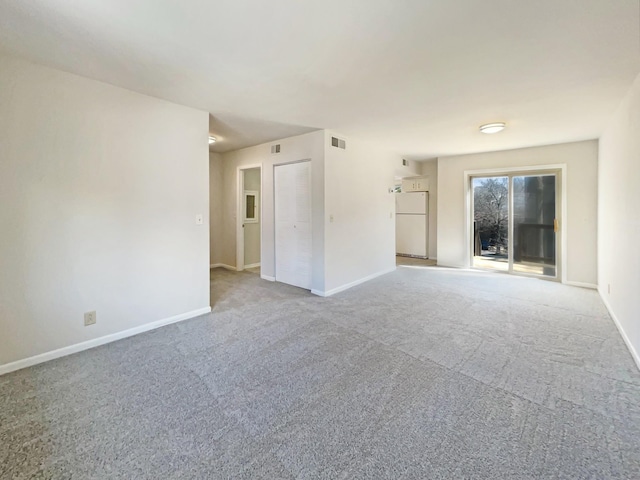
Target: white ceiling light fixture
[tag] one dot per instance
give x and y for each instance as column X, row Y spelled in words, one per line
column 492, row 127
column 212, row 139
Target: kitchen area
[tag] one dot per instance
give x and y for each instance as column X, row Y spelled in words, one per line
column 413, row 222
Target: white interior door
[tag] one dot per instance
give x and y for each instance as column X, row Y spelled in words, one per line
column 293, row 224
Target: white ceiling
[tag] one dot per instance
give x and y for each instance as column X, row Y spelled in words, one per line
column 418, row 76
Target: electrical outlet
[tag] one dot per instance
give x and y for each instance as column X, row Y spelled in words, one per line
column 89, row 318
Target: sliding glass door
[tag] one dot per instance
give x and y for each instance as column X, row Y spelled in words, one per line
column 491, row 222
column 515, row 223
column 534, row 220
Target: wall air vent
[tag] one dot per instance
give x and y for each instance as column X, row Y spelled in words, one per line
column 405, row 162
column 338, row 142
column 275, row 148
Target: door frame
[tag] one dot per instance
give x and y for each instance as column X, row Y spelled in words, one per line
column 240, row 213
column 561, row 238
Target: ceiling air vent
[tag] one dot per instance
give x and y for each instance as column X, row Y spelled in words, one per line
column 338, row 142
column 275, row 148
column 405, row 162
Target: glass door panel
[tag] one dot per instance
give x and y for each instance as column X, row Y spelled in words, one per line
column 491, row 222
column 534, row 215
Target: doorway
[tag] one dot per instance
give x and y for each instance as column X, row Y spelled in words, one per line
column 249, row 222
column 515, row 223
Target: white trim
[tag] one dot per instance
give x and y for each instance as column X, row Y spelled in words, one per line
column 347, row 286
column 564, row 230
column 632, row 350
column 96, row 342
column 253, row 265
column 501, row 170
column 268, row 278
column 458, row 267
column 223, row 265
column 582, row 285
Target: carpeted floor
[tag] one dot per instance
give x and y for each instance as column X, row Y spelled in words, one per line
column 423, row 373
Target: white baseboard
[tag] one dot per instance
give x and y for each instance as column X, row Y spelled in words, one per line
column 450, row 265
column 267, row 277
column 347, row 286
column 96, row 342
column 632, row 350
column 252, row 265
column 582, row 284
column 223, row 265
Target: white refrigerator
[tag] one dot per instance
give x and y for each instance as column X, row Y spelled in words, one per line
column 412, row 224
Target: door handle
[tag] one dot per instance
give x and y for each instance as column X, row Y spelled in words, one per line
column 555, row 225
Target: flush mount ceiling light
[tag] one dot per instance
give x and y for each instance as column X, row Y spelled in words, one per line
column 492, row 127
column 212, row 139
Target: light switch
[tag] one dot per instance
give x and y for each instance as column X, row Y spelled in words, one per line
column 199, row 219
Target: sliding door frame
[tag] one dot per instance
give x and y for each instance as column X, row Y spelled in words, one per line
column 561, row 196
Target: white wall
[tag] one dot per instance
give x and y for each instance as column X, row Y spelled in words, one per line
column 303, row 147
column 351, row 185
column 99, row 190
column 414, row 169
column 580, row 226
column 619, row 218
column 360, row 241
column 430, row 169
column 215, row 208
